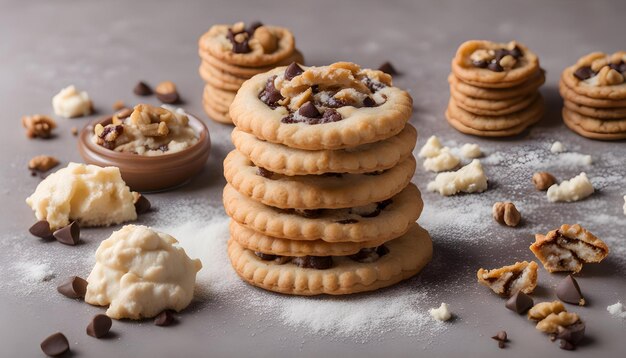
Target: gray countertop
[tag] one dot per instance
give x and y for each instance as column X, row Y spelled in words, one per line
column 106, row 49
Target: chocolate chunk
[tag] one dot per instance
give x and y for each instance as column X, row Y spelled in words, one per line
column 68, row 235
column 622, row 67
column 73, row 287
column 251, row 28
column 333, row 102
column 309, row 213
column 566, row 345
column 266, row 257
column 382, row 250
column 55, row 345
column 501, row 345
column 292, row 71
column 373, row 86
column 142, row 89
column 500, row 336
column 270, row 95
column 388, row 68
column 380, row 206
column 41, row 229
column 495, row 67
column 332, row 175
column 583, row 73
column 331, row 115
column 315, row 262
column 499, row 54
column 516, row 52
column 369, row 102
column 33, row 174
column 370, row 254
column 573, row 333
column 519, row 302
column 347, row 221
column 99, row 326
column 142, row 205
column 238, row 46
column 164, row 318
column 309, row 110
column 569, row 291
column 264, row 173
column 480, row 63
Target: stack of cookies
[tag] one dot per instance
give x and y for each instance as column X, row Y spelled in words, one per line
column 319, row 185
column 594, row 96
column 494, row 89
column 233, row 54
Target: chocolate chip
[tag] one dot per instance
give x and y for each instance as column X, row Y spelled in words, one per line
column 516, row 52
column 569, row 291
column 41, row 229
column 622, row 68
column 373, row 86
column 480, row 63
column 583, row 73
column 68, row 235
column 292, row 71
column 573, row 333
column 241, row 47
column 388, row 68
column 519, row 302
column 33, row 173
column 142, row 205
column 382, row 250
column 265, row 257
column 370, row 254
column 499, row 54
column 164, row 147
column 566, row 345
column 495, row 67
column 309, row 213
column 251, row 28
column 500, row 336
column 315, row 262
column 347, row 221
column 118, row 129
column 164, row 318
column 264, row 173
column 369, row 102
column 142, row 89
column 73, row 287
column 331, row 115
column 55, row 345
column 380, row 206
column 270, row 95
column 99, row 326
column 501, row 345
column 333, row 102
column 309, row 110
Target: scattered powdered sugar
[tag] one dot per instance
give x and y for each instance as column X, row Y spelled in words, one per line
column 33, row 272
column 617, row 310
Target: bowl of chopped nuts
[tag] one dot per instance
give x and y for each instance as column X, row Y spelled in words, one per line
column 155, row 148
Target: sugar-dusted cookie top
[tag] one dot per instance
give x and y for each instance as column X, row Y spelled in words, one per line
column 598, row 75
column 492, row 64
column 248, row 45
column 328, row 107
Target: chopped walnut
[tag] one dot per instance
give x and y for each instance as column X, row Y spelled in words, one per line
column 544, row 309
column 38, row 126
column 482, row 55
column 266, row 39
column 508, row 62
column 552, row 323
column 609, row 77
column 506, row 213
column 147, row 114
column 508, row 280
column 43, row 163
column 568, row 248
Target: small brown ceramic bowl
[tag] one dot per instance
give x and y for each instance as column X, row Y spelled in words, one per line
column 149, row 173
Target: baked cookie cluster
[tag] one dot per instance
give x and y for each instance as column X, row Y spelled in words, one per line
column 494, row 89
column 319, row 185
column 232, row 54
column 594, row 96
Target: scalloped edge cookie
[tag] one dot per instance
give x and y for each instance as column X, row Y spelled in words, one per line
column 362, row 159
column 492, row 108
column 248, row 72
column 358, row 126
column 316, row 191
column 407, row 256
column 599, row 113
column 527, row 116
column 216, row 115
column 495, row 94
column 395, row 220
column 569, row 94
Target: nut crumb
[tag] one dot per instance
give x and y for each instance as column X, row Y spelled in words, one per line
column 543, row 180
column 38, row 126
column 506, row 213
column 43, row 163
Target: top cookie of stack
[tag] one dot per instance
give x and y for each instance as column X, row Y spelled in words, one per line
column 319, row 183
column 494, row 89
column 594, row 96
column 233, row 54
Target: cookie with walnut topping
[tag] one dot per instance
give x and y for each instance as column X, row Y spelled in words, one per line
column 250, row 45
column 328, row 191
column 382, row 220
column 314, row 108
column 598, row 76
column 367, row 270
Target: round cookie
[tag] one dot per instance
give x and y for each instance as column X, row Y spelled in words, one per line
column 598, row 85
column 221, row 95
column 569, row 94
column 600, row 113
column 492, row 108
column 592, row 135
column 362, row 159
column 407, row 256
column 248, row 72
column 210, row 74
column 496, row 123
column 257, row 242
column 465, row 70
column 218, row 83
column 595, row 125
column 215, row 102
column 383, row 221
column 346, row 125
column 267, row 44
column 222, row 117
column 315, row 191
column 496, row 94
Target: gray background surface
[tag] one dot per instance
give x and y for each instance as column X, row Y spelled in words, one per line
column 105, row 48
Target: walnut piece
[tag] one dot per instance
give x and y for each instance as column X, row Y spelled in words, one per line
column 508, row 280
column 552, row 323
column 482, row 55
column 568, row 248
column 38, row 126
column 543, row 180
column 544, row 309
column 506, row 213
column 43, row 163
column 611, row 78
column 508, row 62
column 266, row 39
column 147, row 114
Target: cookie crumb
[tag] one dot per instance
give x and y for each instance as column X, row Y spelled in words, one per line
column 38, row 126
column 617, row 310
column 557, row 147
column 469, row 179
column 574, row 189
column 431, row 148
column 471, row 151
column 442, row 313
column 42, row 163
column 70, row 103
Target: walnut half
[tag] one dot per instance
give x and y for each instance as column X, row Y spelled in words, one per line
column 43, row 163
column 38, row 126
